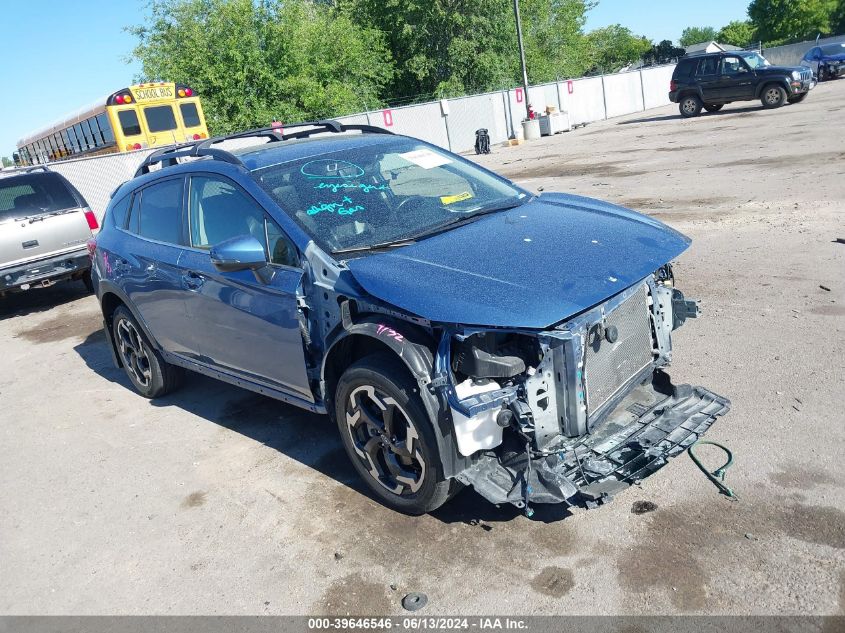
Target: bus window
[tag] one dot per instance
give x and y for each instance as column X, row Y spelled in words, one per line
column 66, row 143
column 95, row 131
column 89, row 137
column 190, row 115
column 160, row 118
column 129, row 122
column 74, row 143
column 80, row 139
column 105, row 128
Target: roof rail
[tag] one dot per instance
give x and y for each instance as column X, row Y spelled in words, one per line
column 36, row 168
column 198, row 149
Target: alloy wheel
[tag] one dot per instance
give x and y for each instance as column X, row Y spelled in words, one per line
column 689, row 106
column 386, row 440
column 772, row 96
column 133, row 353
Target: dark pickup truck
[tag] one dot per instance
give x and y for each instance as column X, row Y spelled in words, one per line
column 712, row 80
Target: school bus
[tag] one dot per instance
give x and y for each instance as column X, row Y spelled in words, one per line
column 137, row 117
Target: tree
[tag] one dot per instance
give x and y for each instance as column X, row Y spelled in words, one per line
column 615, row 46
column 255, row 62
column 7, row 162
column 451, row 47
column 663, row 53
column 696, row 35
column 780, row 21
column 738, row 33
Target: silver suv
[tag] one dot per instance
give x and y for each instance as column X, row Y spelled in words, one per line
column 45, row 226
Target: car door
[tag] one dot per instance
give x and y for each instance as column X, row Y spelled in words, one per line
column 736, row 79
column 148, row 264
column 245, row 327
column 811, row 59
column 707, row 77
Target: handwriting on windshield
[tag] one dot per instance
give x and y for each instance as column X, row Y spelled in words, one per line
column 328, row 168
column 345, row 207
column 338, row 186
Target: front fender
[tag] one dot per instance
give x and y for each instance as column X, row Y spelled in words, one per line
column 780, row 81
column 413, row 346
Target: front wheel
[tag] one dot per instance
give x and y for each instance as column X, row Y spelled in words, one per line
column 713, row 107
column 773, row 96
column 151, row 376
column 822, row 73
column 389, row 436
column 690, row 106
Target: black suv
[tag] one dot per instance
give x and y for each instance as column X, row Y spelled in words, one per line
column 712, row 80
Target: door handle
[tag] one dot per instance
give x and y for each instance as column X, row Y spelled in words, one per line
column 192, row 281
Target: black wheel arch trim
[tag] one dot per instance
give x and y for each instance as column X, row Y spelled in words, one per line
column 779, row 81
column 414, row 348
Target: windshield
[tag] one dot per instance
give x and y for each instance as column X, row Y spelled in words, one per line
column 374, row 195
column 33, row 194
column 833, row 49
column 755, row 61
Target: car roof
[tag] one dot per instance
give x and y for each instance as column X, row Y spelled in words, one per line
column 260, row 156
column 256, row 157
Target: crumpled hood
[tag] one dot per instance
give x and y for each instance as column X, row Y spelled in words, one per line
column 833, row 58
column 529, row 267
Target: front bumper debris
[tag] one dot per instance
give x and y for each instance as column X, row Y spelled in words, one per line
column 646, row 430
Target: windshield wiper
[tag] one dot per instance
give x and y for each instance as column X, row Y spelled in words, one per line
column 374, row 247
column 474, row 215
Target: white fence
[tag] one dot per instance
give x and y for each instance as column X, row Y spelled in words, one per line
column 450, row 125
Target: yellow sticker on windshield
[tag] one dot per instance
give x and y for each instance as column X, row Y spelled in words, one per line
column 466, row 195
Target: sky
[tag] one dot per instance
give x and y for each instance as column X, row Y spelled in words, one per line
column 59, row 56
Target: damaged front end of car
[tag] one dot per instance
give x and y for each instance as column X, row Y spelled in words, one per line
column 577, row 412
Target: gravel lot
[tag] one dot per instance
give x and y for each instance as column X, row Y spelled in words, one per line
column 217, row 501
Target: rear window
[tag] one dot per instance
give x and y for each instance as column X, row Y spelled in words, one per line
column 33, row 194
column 159, row 215
column 160, row 118
column 708, row 66
column 684, row 68
column 129, row 122
column 190, row 115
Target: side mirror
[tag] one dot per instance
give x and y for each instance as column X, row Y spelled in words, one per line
column 240, row 253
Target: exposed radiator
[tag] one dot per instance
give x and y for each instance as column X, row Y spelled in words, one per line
column 609, row 366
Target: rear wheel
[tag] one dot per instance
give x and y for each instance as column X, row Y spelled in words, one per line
column 388, row 435
column 690, row 106
column 151, row 376
column 773, row 96
column 713, row 107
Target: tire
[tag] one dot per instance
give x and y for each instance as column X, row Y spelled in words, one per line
column 822, row 73
column 151, row 376
column 798, row 98
column 713, row 107
column 773, row 96
column 89, row 283
column 389, row 436
column 690, row 106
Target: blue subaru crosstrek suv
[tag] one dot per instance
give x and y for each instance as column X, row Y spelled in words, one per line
column 460, row 330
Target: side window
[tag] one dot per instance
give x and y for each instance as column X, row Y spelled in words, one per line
column 733, row 66
column 707, row 66
column 119, row 211
column 219, row 211
column 280, row 248
column 129, row 122
column 160, row 216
